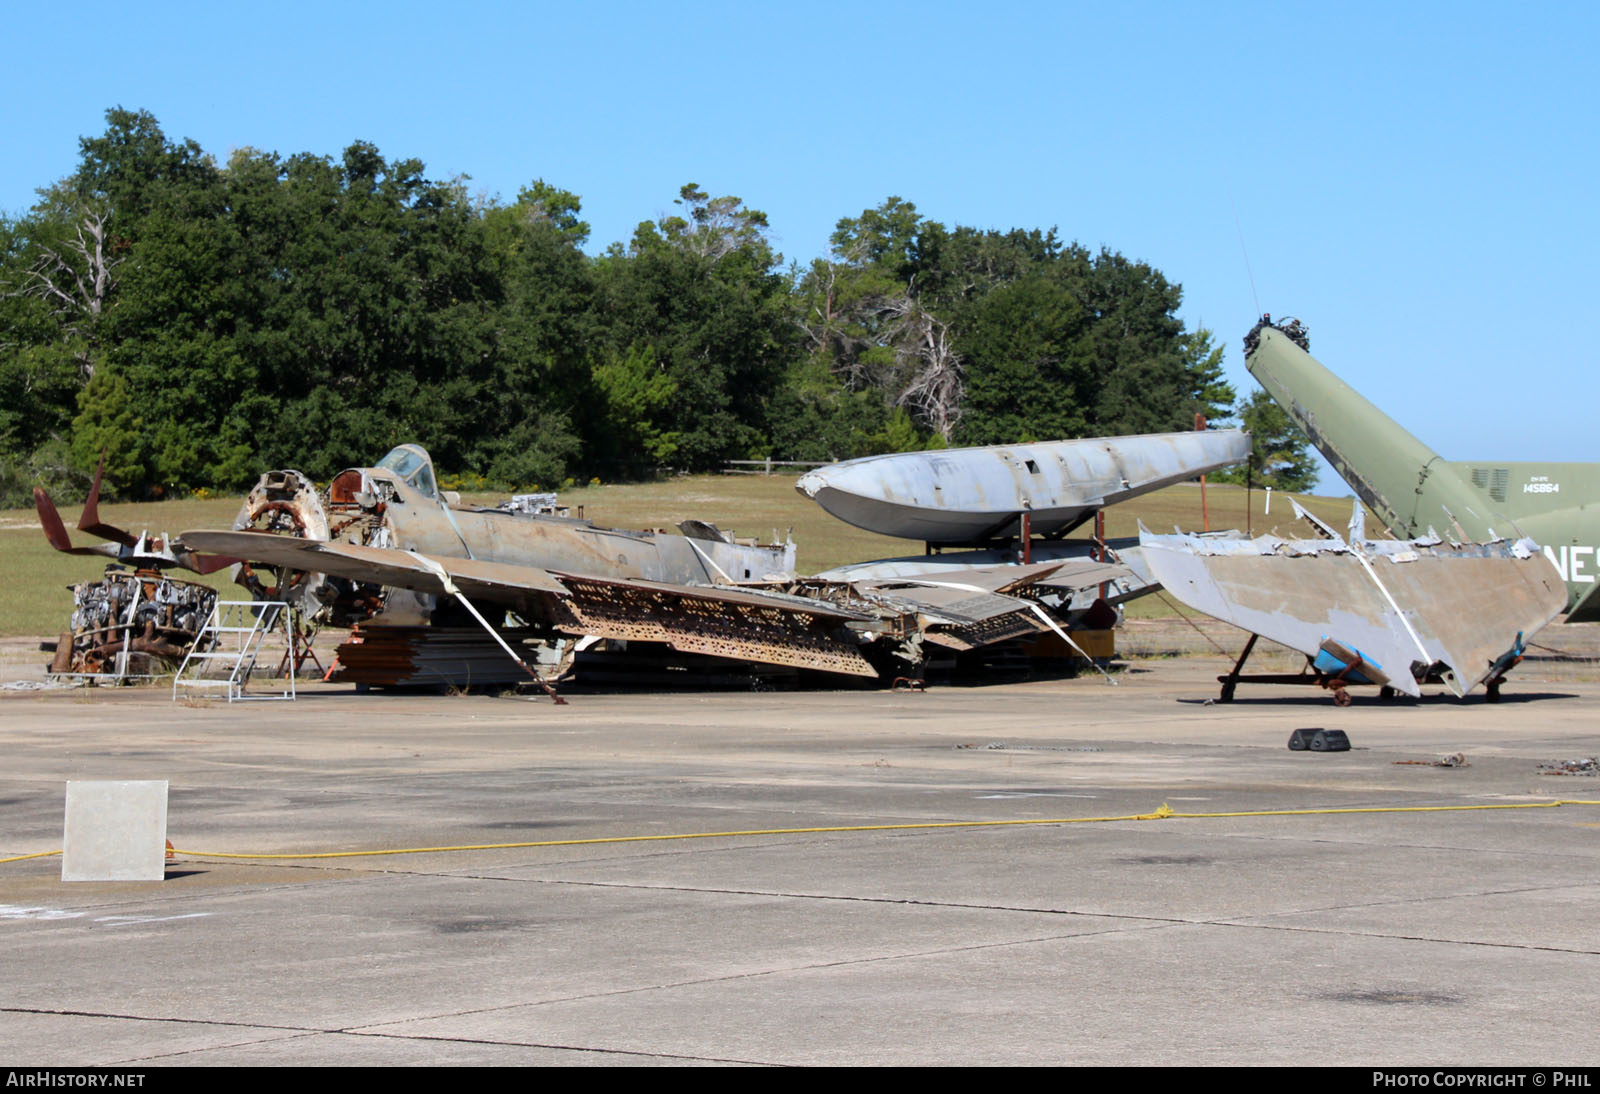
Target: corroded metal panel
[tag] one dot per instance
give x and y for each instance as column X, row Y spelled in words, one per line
column 985, row 632
column 376, row 565
column 1069, row 570
column 742, row 627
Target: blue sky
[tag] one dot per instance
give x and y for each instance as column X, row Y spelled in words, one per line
column 1416, row 181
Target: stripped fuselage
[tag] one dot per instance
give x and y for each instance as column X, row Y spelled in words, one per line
column 397, row 505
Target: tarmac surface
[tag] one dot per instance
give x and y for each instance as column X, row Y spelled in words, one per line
column 1450, row 938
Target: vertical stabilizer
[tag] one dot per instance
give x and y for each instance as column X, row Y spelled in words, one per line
column 1404, row 481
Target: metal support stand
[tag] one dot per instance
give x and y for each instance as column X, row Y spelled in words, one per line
column 1101, row 552
column 1231, row 680
column 1338, row 683
column 232, row 640
column 299, row 649
column 1335, row 683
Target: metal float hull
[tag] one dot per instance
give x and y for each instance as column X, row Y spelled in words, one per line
column 977, row 495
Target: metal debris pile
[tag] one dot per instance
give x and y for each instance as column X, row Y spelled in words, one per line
column 1297, row 331
column 1588, row 766
column 1454, row 759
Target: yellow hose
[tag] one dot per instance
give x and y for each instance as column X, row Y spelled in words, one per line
column 1166, row 812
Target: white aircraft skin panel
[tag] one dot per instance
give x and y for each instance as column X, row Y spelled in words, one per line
column 1462, row 606
column 965, row 494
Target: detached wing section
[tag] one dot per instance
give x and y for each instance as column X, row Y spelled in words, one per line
column 962, row 609
column 1407, row 608
column 752, row 624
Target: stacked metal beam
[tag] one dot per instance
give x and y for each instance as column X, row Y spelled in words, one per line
column 430, row 657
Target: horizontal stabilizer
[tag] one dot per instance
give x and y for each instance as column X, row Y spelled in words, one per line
column 1420, row 604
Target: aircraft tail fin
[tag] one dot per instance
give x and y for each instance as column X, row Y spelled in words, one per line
column 129, row 549
column 1403, row 480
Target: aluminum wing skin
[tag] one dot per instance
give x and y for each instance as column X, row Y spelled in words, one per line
column 378, row 565
column 976, row 495
column 1406, row 607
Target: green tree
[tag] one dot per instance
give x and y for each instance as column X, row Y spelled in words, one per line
column 886, row 238
column 1212, row 395
column 993, row 336
column 1280, row 454
column 638, row 393
column 1030, row 371
column 702, row 296
column 814, row 416
column 43, row 364
column 200, row 322
column 542, row 416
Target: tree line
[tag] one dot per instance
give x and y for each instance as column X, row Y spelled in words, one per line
column 199, row 322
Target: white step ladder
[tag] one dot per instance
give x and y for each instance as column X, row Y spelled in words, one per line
column 224, row 654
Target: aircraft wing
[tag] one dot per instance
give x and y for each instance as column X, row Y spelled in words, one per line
column 370, row 565
column 748, row 623
column 1405, row 607
column 1067, row 570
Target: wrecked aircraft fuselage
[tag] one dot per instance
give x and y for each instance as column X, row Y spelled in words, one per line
column 384, row 544
column 397, row 505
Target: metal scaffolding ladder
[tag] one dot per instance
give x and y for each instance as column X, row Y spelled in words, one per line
column 224, row 654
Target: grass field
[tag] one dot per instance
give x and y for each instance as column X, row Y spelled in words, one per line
column 34, row 600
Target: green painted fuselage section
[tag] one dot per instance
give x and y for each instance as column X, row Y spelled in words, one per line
column 1412, row 489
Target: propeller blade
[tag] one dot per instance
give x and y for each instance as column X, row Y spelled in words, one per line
column 90, row 520
column 50, row 520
